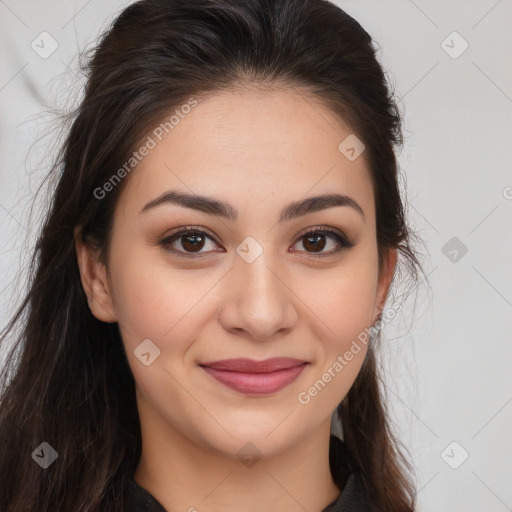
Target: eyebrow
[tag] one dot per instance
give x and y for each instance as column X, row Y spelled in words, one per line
column 291, row 211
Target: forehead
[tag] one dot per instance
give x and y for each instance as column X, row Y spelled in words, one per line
column 249, row 146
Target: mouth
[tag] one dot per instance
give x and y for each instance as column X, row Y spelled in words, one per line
column 255, row 377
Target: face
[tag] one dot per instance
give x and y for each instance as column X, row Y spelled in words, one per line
column 252, row 285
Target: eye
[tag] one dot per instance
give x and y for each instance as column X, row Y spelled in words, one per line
column 190, row 239
column 193, row 239
column 314, row 239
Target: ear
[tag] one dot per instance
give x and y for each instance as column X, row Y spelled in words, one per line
column 93, row 275
column 385, row 277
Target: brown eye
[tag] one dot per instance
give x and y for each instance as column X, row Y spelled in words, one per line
column 193, row 241
column 190, row 240
column 314, row 241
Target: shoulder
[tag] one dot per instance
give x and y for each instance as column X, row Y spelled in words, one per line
column 138, row 499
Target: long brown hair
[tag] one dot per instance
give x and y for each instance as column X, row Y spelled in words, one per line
column 66, row 380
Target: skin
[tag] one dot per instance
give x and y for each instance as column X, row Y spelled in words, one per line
column 257, row 151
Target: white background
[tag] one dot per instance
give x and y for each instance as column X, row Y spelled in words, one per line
column 447, row 360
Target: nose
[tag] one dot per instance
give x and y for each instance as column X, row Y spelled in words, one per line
column 258, row 300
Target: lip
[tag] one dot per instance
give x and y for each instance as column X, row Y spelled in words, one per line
column 255, row 377
column 251, row 366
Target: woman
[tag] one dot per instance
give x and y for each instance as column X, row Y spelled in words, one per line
column 224, row 233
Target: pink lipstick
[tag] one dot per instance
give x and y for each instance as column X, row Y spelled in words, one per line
column 255, row 377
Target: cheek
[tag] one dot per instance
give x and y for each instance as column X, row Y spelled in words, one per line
column 167, row 306
column 351, row 306
column 342, row 323
column 151, row 305
column 147, row 299
column 342, row 299
column 340, row 310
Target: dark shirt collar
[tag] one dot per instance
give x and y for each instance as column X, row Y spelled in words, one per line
column 350, row 499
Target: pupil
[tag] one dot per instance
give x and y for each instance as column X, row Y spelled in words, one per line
column 316, row 244
column 196, row 238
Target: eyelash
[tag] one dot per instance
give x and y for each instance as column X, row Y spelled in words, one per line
column 168, row 240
